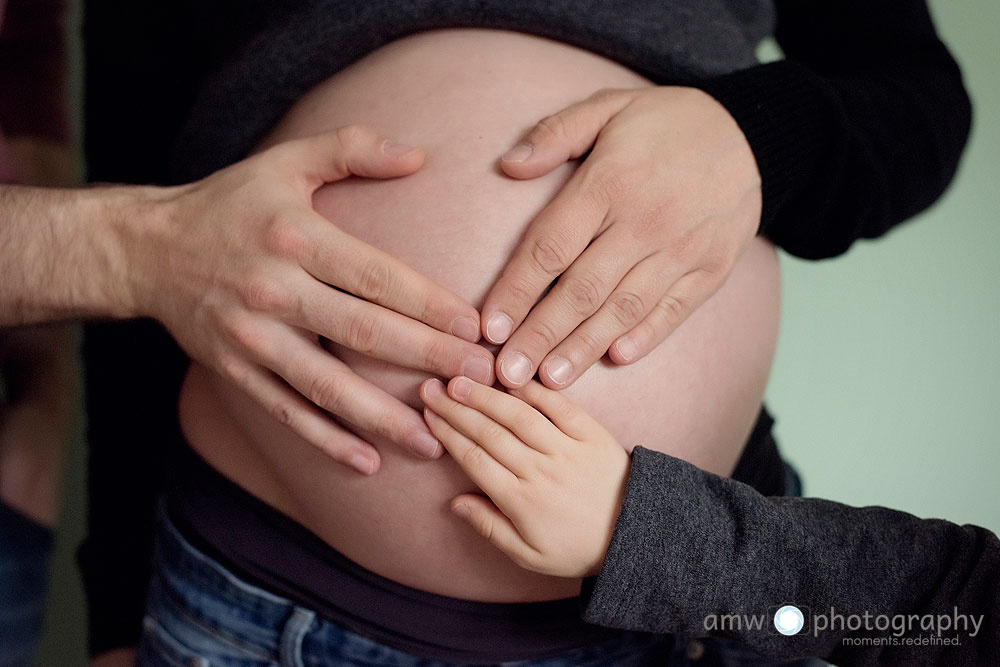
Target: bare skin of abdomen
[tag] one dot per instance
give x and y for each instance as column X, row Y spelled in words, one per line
column 466, row 96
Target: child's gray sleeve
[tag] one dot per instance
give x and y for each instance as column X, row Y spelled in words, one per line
column 692, row 553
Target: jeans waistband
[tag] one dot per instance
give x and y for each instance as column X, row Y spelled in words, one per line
column 208, row 613
column 268, row 549
column 213, row 597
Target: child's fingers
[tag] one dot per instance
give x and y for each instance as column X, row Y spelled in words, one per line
column 521, row 419
column 491, row 436
column 487, row 520
column 564, row 413
column 485, row 471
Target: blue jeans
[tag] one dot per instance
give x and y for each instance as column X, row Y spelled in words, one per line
column 25, row 551
column 200, row 614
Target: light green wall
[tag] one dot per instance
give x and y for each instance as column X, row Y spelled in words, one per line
column 887, row 381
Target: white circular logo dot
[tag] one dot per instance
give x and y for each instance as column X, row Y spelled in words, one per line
column 789, row 620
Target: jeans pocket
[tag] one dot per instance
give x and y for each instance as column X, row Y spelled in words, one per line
column 157, row 648
column 190, row 647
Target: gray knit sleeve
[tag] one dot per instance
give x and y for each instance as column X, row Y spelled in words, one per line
column 700, row 555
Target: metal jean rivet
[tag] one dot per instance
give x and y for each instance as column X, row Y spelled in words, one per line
column 695, row 650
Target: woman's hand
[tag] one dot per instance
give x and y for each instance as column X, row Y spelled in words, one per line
column 248, row 277
column 646, row 230
column 555, row 476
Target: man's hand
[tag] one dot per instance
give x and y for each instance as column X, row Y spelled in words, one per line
column 555, row 476
column 248, row 277
column 644, row 232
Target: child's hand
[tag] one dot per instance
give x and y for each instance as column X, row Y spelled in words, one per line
column 557, row 483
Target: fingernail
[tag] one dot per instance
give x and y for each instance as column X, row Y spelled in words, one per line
column 465, row 328
column 461, row 510
column 516, row 368
column 362, row 464
column 518, row 153
column 478, row 368
column 396, row 150
column 498, row 328
column 559, row 370
column 627, row 349
column 434, row 388
column 425, row 444
column 461, row 387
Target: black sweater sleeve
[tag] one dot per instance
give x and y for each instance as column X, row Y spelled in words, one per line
column 691, row 549
column 859, row 128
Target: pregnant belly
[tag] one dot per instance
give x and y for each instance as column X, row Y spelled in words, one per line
column 466, row 96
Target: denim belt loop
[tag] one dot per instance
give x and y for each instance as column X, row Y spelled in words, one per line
column 291, row 637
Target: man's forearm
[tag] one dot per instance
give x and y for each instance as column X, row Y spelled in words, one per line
column 63, row 253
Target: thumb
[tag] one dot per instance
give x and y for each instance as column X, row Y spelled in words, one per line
column 350, row 150
column 565, row 135
column 487, row 520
